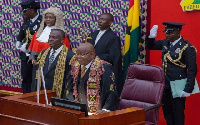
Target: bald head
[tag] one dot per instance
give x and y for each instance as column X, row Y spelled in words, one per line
column 85, row 53
column 88, row 47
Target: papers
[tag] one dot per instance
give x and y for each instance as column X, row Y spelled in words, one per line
column 178, row 86
column 89, row 113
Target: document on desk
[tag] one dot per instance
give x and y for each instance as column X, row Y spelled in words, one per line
column 178, row 86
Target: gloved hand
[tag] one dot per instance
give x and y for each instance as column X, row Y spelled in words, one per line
column 27, row 54
column 184, row 94
column 23, row 48
column 18, row 44
column 153, row 31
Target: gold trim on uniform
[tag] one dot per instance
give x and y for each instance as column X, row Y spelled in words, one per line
column 28, row 36
column 176, row 61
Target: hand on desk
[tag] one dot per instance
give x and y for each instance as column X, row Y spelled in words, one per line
column 102, row 111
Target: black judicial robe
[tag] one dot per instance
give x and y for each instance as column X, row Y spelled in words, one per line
column 108, row 98
column 108, row 48
column 49, row 74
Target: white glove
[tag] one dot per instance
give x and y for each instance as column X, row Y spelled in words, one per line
column 184, row 94
column 153, row 31
column 27, row 54
column 18, row 44
column 23, row 48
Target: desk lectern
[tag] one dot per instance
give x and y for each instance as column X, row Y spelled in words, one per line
column 24, row 110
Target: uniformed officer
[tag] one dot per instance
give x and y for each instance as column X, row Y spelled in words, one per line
column 31, row 24
column 179, row 62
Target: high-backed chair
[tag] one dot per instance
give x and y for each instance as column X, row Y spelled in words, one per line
column 143, row 88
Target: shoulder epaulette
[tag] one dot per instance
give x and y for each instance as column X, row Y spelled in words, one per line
column 190, row 45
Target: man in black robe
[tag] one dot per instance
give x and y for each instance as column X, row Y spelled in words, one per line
column 55, row 63
column 91, row 81
column 108, row 46
column 31, row 24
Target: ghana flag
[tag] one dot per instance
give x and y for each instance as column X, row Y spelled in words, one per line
column 133, row 35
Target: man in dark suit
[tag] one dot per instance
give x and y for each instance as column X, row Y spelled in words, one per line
column 179, row 62
column 31, row 24
column 108, row 46
column 55, row 63
column 91, row 81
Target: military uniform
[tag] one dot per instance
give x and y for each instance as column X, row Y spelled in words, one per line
column 25, row 35
column 179, row 62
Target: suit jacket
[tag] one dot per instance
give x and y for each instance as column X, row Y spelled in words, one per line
column 174, row 72
column 49, row 74
column 108, row 98
column 22, row 33
column 108, row 48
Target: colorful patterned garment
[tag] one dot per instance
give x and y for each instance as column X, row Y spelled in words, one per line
column 93, row 82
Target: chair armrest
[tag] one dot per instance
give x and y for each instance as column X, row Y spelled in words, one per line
column 153, row 107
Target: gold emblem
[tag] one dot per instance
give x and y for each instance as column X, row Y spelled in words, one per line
column 96, row 62
column 92, row 85
column 190, row 5
column 92, row 97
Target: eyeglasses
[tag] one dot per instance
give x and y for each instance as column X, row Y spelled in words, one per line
column 83, row 54
column 169, row 31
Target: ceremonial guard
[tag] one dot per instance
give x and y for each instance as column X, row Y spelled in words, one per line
column 178, row 62
column 31, row 24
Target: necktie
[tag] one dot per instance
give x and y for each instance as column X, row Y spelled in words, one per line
column 83, row 71
column 31, row 22
column 51, row 58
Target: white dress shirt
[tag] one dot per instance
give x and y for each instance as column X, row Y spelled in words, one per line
column 174, row 43
column 101, row 32
column 34, row 19
column 56, row 52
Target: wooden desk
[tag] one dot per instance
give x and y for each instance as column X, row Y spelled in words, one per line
column 23, row 110
column 134, row 116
